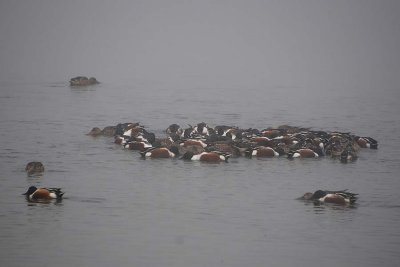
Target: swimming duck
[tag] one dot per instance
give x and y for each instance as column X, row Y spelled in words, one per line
column 160, row 152
column 348, row 155
column 261, row 152
column 174, row 129
column 336, row 197
column 193, row 142
column 121, row 128
column 107, row 131
column 302, row 153
column 227, row 148
column 34, row 167
column 82, row 81
column 213, row 156
column 96, row 131
column 366, row 142
column 202, row 129
column 35, row 193
column 137, row 145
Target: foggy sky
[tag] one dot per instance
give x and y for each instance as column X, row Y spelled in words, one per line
column 205, row 43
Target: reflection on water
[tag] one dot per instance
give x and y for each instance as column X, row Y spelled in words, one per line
column 319, row 208
column 35, row 202
column 119, row 210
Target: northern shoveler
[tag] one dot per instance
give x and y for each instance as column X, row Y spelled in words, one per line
column 302, row 153
column 348, row 156
column 107, row 131
column 261, row 151
column 336, row 197
column 271, row 133
column 213, row 156
column 34, row 167
column 366, row 142
column 160, row 152
column 202, row 129
column 136, row 145
column 193, row 142
column 35, row 193
column 226, row 147
column 96, row 131
column 174, row 129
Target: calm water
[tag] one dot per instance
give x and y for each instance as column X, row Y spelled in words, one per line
column 120, row 210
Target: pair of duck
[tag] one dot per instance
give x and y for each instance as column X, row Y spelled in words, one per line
column 320, row 196
column 82, row 81
column 34, row 193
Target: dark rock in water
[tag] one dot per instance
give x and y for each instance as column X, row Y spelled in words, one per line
column 34, row 167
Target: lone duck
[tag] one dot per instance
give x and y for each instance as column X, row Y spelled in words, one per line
column 35, row 193
column 34, row 167
column 336, row 197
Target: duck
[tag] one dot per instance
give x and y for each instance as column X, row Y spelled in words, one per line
column 366, row 142
column 226, row 147
column 106, row 131
column 174, row 129
column 342, row 197
column 222, row 130
column 35, row 193
column 160, row 152
column 202, row 129
column 82, row 81
column 271, row 133
column 348, row 155
column 193, row 142
column 213, row 156
column 34, row 167
column 261, row 140
column 167, row 141
column 121, row 128
column 137, row 145
column 302, row 153
column 261, row 151
column 121, row 140
column 96, row 131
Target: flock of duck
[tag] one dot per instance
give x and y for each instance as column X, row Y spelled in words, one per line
column 217, row 144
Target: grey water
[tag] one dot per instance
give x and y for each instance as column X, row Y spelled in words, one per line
column 120, row 210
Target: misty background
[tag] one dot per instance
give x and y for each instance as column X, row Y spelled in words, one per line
column 234, row 44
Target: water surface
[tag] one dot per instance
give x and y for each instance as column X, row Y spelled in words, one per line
column 120, row 210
